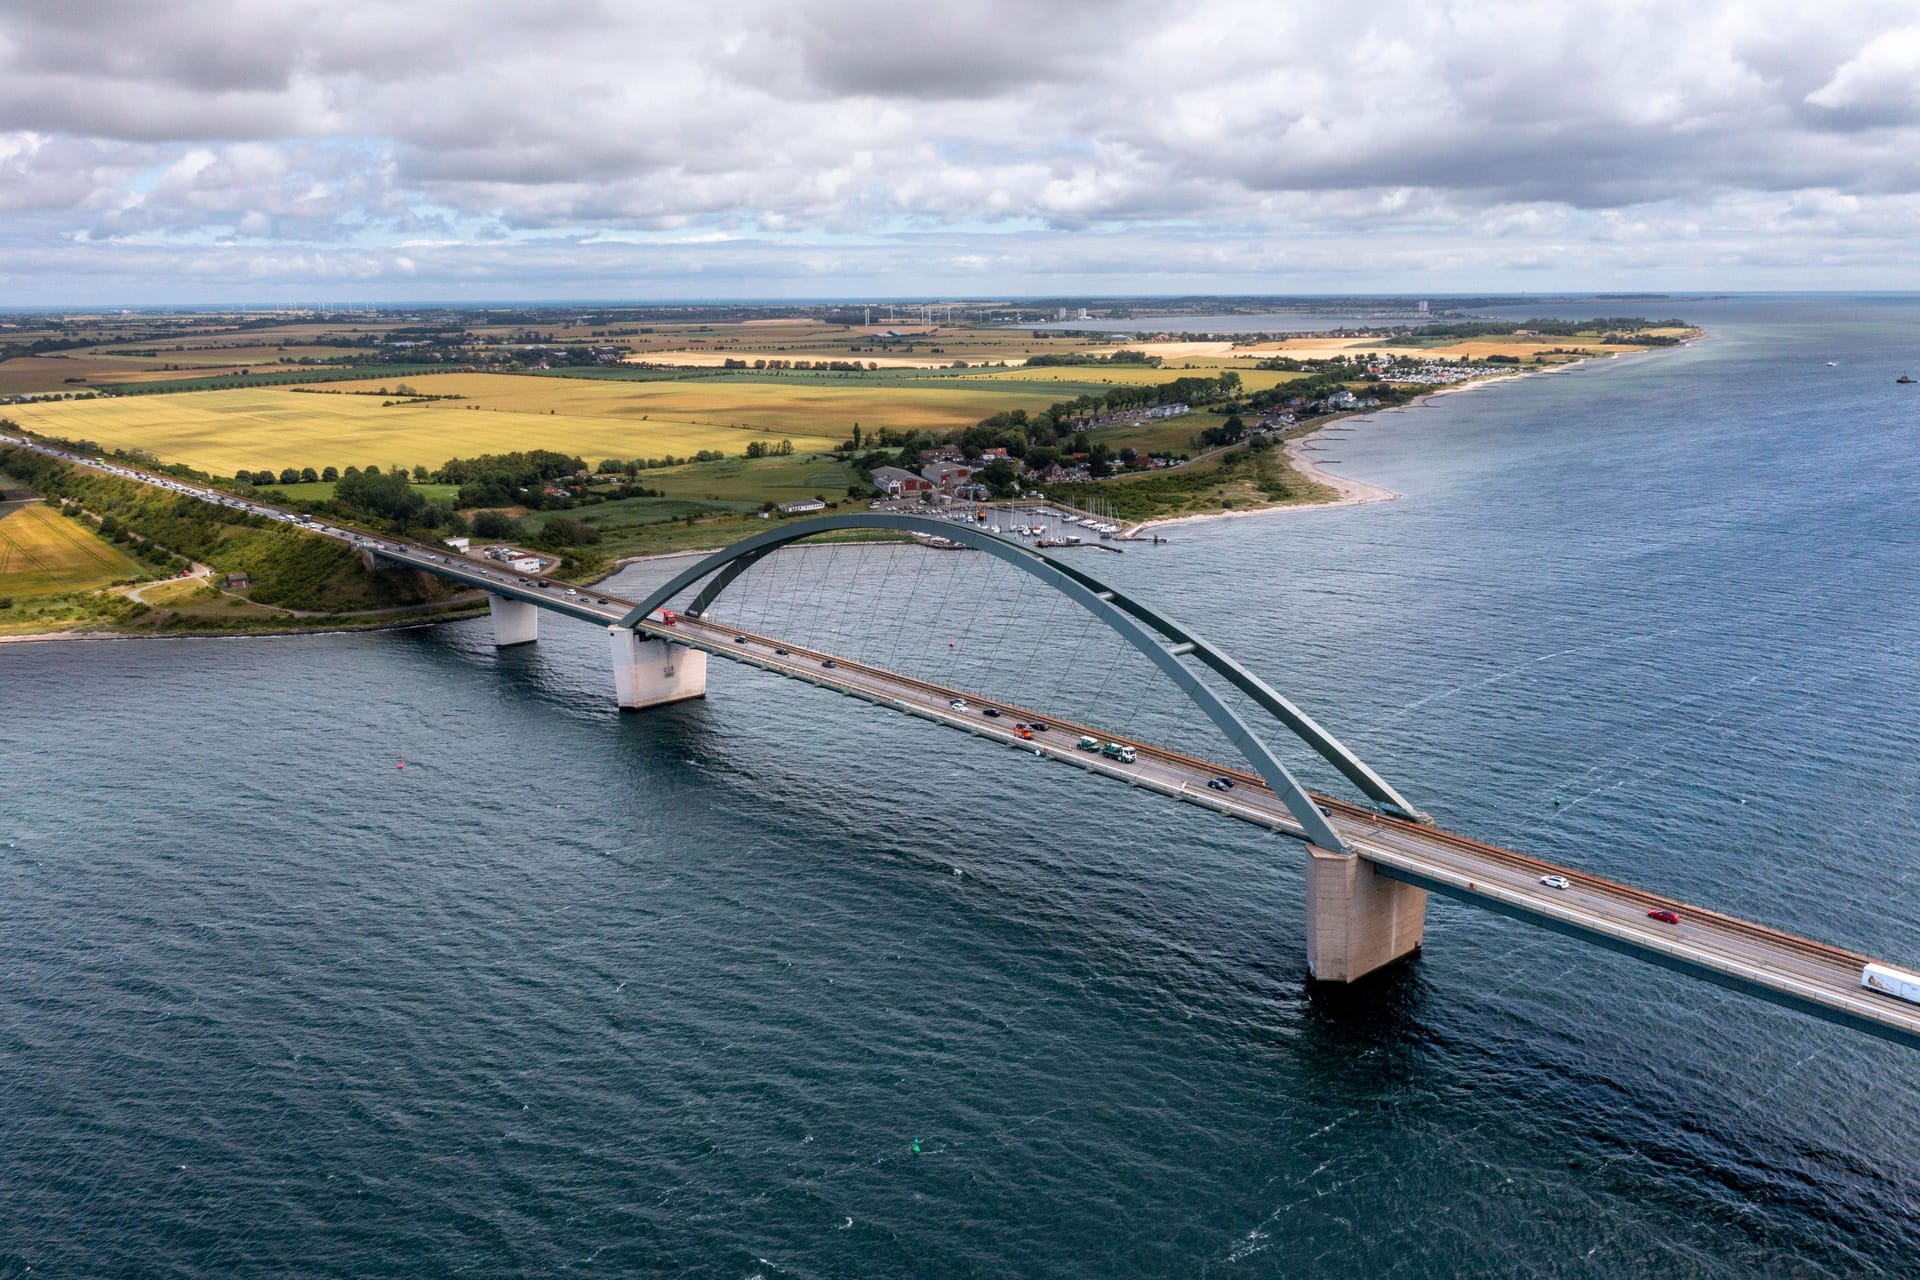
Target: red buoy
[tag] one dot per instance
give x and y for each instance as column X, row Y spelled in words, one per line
column 402, row 764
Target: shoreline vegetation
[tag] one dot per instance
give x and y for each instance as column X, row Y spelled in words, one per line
column 1157, row 433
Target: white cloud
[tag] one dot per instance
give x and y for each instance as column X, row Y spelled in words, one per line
column 1226, row 145
column 1879, row 85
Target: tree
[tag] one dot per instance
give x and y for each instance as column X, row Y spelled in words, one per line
column 389, row 496
column 289, row 476
column 998, row 476
column 330, row 475
column 419, row 472
column 492, row 524
column 309, row 476
column 565, row 531
column 243, row 476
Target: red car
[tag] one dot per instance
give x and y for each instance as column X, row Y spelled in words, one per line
column 1664, row 917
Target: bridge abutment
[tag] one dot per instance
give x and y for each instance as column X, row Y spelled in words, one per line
column 649, row 672
column 1358, row 920
column 514, row 621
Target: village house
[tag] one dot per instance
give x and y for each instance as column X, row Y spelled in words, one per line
column 947, row 475
column 900, row 483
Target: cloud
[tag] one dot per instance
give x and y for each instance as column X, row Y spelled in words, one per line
column 1311, row 146
column 1879, row 86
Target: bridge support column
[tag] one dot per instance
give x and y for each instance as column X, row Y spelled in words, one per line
column 1358, row 920
column 514, row 621
column 649, row 672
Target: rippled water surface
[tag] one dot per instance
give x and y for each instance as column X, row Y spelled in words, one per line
column 780, row 984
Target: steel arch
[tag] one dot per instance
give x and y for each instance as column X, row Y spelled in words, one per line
column 1135, row 622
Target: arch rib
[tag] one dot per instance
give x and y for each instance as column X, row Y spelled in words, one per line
column 724, row 579
column 1330, row 748
column 1133, row 621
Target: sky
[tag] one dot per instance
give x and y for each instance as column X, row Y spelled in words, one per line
column 330, row 151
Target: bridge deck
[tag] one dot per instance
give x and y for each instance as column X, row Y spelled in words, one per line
column 1784, row 968
column 1754, row 958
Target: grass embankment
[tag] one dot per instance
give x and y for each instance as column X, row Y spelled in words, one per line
column 290, row 570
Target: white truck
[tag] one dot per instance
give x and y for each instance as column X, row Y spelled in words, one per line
column 1890, row 981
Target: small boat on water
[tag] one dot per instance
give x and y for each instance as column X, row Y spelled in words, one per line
column 1903, row 378
column 1833, row 364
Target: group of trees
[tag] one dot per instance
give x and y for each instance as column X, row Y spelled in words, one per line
column 770, row 449
column 1049, row 435
column 286, row 475
column 504, row 479
column 801, row 366
column 325, row 475
column 1052, row 359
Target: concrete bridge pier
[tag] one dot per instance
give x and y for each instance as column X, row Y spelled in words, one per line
column 1358, row 920
column 649, row 672
column 514, row 621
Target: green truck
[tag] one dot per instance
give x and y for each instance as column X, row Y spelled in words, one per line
column 1111, row 750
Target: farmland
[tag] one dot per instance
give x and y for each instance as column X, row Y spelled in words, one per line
column 42, row 553
column 224, row 431
column 811, row 414
column 273, row 427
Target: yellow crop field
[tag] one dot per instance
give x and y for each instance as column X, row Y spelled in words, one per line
column 254, row 427
column 796, row 408
column 42, row 553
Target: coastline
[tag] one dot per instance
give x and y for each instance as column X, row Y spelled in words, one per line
column 45, row 637
column 1352, row 493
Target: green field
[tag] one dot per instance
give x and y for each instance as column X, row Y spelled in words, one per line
column 748, row 483
column 706, row 504
column 322, row 491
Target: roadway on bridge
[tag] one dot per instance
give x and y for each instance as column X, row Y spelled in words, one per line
column 1797, row 972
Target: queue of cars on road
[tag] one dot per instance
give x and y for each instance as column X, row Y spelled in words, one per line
column 366, row 542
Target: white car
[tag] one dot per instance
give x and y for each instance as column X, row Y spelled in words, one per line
column 1556, row 882
column 958, row 704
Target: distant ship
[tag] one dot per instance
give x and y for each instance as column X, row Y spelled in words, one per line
column 1903, row 378
column 1833, row 364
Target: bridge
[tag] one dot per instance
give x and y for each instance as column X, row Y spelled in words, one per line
column 1371, row 862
